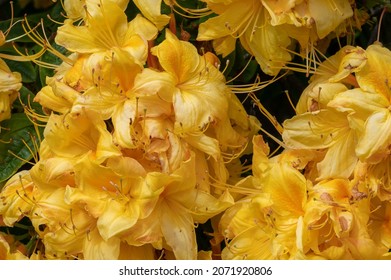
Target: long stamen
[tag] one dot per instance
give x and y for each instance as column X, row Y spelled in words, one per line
column 241, row 72
column 266, row 113
column 20, row 158
column 290, row 101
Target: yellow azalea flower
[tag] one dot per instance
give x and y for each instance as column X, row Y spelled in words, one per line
column 370, row 104
column 333, row 75
column 116, row 201
column 337, row 220
column 17, row 198
column 376, row 177
column 107, row 35
column 180, row 205
column 248, row 21
column 265, row 28
column 245, row 225
column 103, row 20
column 198, row 89
column 324, row 129
column 151, row 9
column 10, row 84
column 267, row 224
column 78, row 133
column 63, row 228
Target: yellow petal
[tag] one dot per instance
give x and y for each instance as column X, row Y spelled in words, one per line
column 178, row 229
column 10, row 81
column 376, row 74
column 328, row 15
column 177, row 57
column 151, row 9
column 268, row 44
column 96, row 248
column 117, row 218
column 288, row 190
column 56, row 99
column 374, row 145
column 340, row 159
column 315, row 130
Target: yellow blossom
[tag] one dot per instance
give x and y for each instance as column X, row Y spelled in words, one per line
column 371, row 105
column 265, row 28
column 10, row 84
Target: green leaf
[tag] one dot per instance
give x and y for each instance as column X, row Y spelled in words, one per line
column 18, row 137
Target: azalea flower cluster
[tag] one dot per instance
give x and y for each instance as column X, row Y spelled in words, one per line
column 132, row 157
column 327, row 195
column 267, row 29
column 144, row 138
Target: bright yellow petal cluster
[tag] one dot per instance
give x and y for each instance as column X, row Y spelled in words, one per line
column 266, row 28
column 345, row 113
column 10, row 84
column 287, row 216
column 327, row 195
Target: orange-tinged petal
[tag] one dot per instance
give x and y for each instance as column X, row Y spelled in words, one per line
column 48, row 99
column 206, row 144
column 260, row 157
column 151, row 82
column 53, row 173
